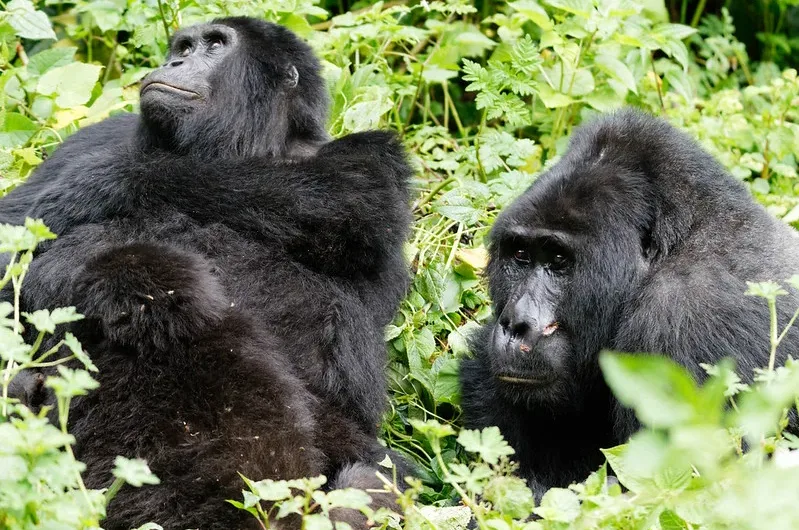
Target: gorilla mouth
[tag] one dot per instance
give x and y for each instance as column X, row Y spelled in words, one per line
column 158, row 85
column 524, row 380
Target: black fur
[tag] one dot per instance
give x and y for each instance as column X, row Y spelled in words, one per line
column 236, row 268
column 636, row 240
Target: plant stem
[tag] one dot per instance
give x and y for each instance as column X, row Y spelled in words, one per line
column 163, row 18
column 772, row 309
column 440, row 186
column 113, row 489
column 657, row 81
column 700, row 8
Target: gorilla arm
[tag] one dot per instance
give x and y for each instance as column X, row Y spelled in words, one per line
column 342, row 211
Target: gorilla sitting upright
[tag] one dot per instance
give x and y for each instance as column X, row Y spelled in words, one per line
column 636, row 240
column 236, row 268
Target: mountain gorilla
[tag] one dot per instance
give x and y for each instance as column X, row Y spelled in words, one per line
column 236, row 268
column 636, row 240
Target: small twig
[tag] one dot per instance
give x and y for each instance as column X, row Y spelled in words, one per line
column 23, row 57
column 657, row 82
column 163, row 19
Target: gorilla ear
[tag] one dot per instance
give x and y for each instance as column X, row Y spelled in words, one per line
column 667, row 230
column 292, row 76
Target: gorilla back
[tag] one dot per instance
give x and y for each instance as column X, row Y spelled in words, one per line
column 236, row 268
column 636, row 240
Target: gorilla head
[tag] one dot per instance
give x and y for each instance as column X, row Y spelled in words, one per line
column 636, row 240
column 236, row 87
column 564, row 258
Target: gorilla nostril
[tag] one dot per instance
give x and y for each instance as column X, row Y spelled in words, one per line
column 175, row 63
column 518, row 331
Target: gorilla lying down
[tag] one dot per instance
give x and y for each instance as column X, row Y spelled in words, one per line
column 236, row 268
column 638, row 241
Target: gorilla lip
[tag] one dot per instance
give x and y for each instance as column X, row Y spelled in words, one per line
column 535, row 381
column 169, row 88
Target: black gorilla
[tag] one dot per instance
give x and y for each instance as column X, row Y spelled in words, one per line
column 636, row 240
column 236, row 268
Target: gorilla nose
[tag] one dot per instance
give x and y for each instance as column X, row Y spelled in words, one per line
column 526, row 334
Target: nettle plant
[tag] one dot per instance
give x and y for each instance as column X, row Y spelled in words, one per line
column 40, row 478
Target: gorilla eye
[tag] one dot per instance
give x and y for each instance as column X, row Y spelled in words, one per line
column 185, row 51
column 215, row 41
column 554, row 256
column 522, row 256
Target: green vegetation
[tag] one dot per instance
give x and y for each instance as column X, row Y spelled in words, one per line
column 485, row 95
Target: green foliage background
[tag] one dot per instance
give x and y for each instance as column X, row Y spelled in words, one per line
column 485, row 95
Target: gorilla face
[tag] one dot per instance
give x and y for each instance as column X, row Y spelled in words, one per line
column 531, row 343
column 183, row 82
column 559, row 279
column 236, row 87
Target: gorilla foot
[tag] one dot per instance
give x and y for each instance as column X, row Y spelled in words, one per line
column 147, row 294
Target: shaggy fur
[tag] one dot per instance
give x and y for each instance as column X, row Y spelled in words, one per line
column 658, row 242
column 236, row 269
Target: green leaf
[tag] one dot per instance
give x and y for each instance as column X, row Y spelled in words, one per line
column 488, row 443
column 349, row 498
column 419, row 346
column 446, row 387
column 435, row 74
column 295, row 505
column 38, row 230
column 250, row 500
column 617, row 70
column 510, row 496
column 391, row 332
column 71, row 84
column 553, row 99
column 71, row 383
column 533, row 11
column 559, row 505
column 432, row 429
column 49, row 59
column 317, row 522
column 473, row 479
column 672, row 31
column 581, row 8
column 16, row 130
column 661, row 392
column 13, row 468
column 107, row 14
column 134, row 471
column 41, row 320
column 671, row 521
column 271, row 490
column 459, row 208
column 27, row 22
column 71, row 342
column 13, row 347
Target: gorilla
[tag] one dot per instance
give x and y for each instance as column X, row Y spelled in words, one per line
column 236, row 268
column 636, row 240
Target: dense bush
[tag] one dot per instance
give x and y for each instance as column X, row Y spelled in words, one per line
column 485, row 95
